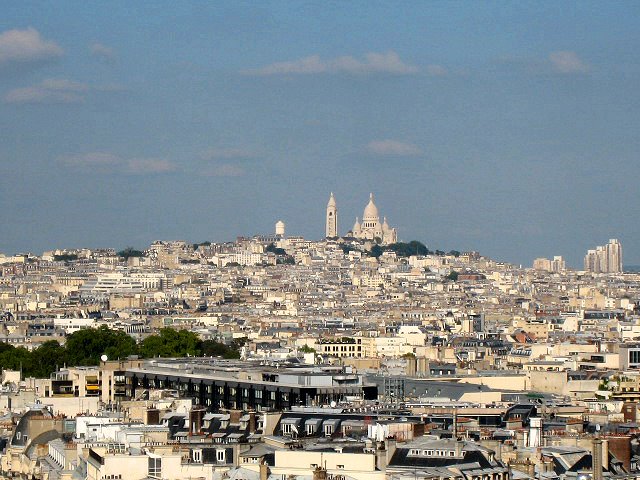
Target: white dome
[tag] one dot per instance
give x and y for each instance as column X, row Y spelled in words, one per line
column 370, row 211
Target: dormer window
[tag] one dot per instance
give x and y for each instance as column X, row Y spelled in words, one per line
column 196, row 455
column 221, row 456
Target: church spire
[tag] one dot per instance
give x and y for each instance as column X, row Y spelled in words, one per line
column 331, row 224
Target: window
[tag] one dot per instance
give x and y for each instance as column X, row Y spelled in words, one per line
column 328, row 430
column 340, row 467
column 310, row 429
column 286, row 429
column 221, row 455
column 155, row 467
column 197, row 456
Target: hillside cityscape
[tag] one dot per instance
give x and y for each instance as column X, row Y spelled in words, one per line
column 352, row 357
column 319, row 240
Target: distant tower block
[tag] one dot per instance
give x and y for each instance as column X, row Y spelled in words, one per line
column 279, row 228
column 332, row 218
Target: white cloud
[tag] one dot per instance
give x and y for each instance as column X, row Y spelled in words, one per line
column 226, row 153
column 389, row 62
column 567, row 62
column 93, row 159
column 102, row 52
column 393, row 148
column 149, row 165
column 26, row 46
column 224, row 170
column 436, row 70
column 101, row 162
column 56, row 90
column 49, row 91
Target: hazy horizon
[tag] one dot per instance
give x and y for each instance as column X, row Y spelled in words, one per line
column 506, row 128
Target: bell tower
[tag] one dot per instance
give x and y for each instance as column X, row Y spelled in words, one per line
column 332, row 218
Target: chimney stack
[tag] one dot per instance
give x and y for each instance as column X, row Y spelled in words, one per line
column 264, row 471
column 252, row 422
column 596, row 456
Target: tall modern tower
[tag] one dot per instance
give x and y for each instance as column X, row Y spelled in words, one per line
column 605, row 258
column 614, row 256
column 332, row 218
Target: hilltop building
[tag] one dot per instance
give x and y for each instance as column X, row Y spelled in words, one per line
column 332, row 218
column 371, row 228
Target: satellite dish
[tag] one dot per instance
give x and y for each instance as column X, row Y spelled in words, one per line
column 333, row 404
column 104, row 358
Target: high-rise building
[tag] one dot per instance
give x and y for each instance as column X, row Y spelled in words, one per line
column 556, row 265
column 614, row 256
column 591, row 262
column 332, row 218
column 605, row 258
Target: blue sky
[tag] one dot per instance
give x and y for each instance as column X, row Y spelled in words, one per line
column 504, row 127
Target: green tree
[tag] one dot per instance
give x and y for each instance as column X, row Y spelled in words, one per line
column 278, row 251
column 66, row 257
column 453, row 275
column 130, row 252
column 414, row 247
column 348, row 248
column 15, row 359
column 376, row 251
column 307, row 349
column 45, row 359
column 85, row 347
column 211, row 348
column 171, row 343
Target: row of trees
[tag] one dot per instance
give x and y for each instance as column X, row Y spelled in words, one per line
column 85, row 347
column 413, row 247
